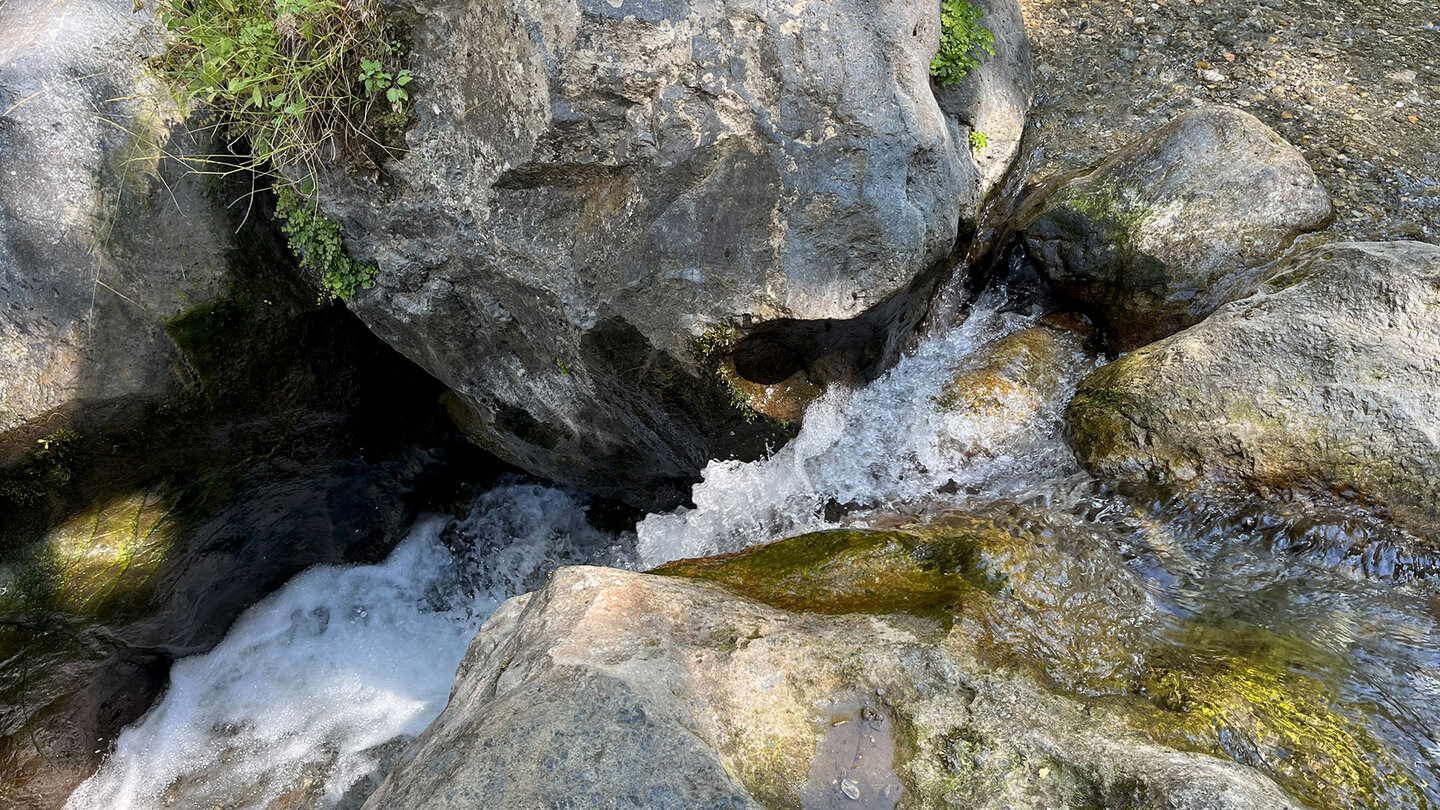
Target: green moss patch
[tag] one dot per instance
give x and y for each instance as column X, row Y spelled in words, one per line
column 1270, row 702
column 852, row 571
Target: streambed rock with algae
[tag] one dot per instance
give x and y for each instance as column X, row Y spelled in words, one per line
column 1006, row 657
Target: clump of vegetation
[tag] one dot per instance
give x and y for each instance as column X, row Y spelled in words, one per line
column 316, row 240
column 962, row 39
column 293, row 77
column 978, row 141
column 49, row 466
column 712, row 349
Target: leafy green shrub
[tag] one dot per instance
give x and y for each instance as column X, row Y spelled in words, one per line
column 978, row 141
column 317, row 241
column 962, row 38
column 291, row 76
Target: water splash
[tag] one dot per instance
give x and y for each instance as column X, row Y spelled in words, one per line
column 887, row 444
column 308, row 693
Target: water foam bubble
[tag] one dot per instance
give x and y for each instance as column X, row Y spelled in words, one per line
column 889, row 443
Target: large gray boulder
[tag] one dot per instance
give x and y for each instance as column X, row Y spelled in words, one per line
column 1327, row 380
column 592, row 185
column 102, row 238
column 1163, row 231
column 1004, row 657
column 622, row 690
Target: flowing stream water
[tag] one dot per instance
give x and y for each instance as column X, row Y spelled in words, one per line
column 312, row 693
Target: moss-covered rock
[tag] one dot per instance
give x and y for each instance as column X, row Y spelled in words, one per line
column 1327, row 381
column 686, row 695
column 1271, row 702
column 1161, row 232
column 98, row 562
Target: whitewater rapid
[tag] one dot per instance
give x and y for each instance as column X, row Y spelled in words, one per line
column 313, row 690
column 887, row 444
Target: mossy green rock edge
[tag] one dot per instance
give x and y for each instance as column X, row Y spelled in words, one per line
column 1231, row 690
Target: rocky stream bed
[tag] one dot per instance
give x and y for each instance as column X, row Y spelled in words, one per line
column 737, row 417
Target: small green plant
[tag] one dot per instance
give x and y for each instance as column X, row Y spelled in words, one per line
column 292, row 77
column 978, row 141
column 375, row 79
column 316, row 240
column 962, row 39
column 52, row 464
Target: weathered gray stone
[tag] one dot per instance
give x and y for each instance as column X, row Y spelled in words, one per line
column 1328, row 379
column 102, row 238
column 706, row 699
column 1162, row 232
column 591, row 185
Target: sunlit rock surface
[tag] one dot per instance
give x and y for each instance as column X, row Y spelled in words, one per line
column 1162, row 232
column 593, row 185
column 103, row 236
column 657, row 692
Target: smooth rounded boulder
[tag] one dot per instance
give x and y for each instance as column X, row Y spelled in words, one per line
column 593, row 186
column 1327, row 380
column 1168, row 228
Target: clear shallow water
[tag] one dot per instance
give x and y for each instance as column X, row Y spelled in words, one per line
column 298, row 702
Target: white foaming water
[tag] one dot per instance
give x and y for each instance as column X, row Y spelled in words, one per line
column 887, row 444
column 309, row 685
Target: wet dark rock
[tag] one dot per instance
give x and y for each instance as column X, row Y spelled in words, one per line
column 1328, row 380
column 1162, row 232
column 590, row 188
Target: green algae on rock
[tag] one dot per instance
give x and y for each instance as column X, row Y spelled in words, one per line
column 703, row 698
column 1268, row 701
column 1028, row 589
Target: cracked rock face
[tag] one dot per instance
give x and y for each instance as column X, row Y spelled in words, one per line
column 1327, row 379
column 1163, row 231
column 592, row 184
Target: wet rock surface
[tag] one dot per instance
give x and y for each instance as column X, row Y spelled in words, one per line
column 1163, row 231
column 592, row 186
column 754, row 691
column 299, row 440
column 1327, row 381
column 1354, row 85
